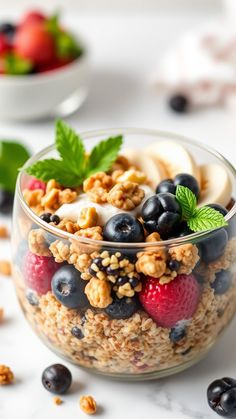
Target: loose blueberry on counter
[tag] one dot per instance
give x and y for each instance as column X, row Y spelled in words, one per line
column 187, row 180
column 123, row 228
column 222, row 282
column 214, row 245
column 122, row 308
column 161, row 213
column 57, row 379
column 179, row 103
column 68, row 287
column 6, row 201
column 177, row 334
column 219, row 208
column 8, row 29
column 166, row 185
column 77, row 332
column 221, row 397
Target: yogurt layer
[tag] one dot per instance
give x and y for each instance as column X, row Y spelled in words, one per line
column 104, row 211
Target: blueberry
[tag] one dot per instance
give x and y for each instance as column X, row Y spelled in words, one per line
column 173, row 265
column 46, row 217
column 183, row 230
column 177, row 334
column 214, row 245
column 166, row 185
column 68, row 287
column 8, row 29
column 32, row 297
column 98, row 262
column 187, row 180
column 77, row 332
column 179, row 103
column 134, row 282
column 122, row 280
column 6, row 201
column 219, row 208
column 123, row 228
column 161, row 213
column 122, row 308
column 111, row 271
column 222, row 282
column 55, row 219
column 221, row 396
column 57, row 379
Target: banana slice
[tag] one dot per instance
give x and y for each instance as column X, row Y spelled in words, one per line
column 174, row 157
column 147, row 164
column 216, row 186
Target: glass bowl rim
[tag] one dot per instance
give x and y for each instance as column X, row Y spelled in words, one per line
column 123, row 131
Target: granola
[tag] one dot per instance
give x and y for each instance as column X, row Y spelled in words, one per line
column 88, row 404
column 6, row 375
column 97, row 187
column 126, row 195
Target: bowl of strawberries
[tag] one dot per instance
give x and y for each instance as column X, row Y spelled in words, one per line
column 43, row 68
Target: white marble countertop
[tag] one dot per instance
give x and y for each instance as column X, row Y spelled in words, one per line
column 124, row 53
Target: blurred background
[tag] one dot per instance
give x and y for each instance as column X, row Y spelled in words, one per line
column 126, row 40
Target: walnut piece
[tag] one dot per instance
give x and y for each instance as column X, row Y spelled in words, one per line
column 37, row 243
column 88, row 218
column 132, row 175
column 67, row 196
column 94, row 233
column 67, row 225
column 187, row 255
column 98, row 292
column 1, row 314
column 97, row 187
column 5, row 267
column 88, row 404
column 4, row 234
column 153, row 237
column 60, row 251
column 33, row 199
column 50, row 201
column 152, row 263
column 126, row 195
column 6, row 375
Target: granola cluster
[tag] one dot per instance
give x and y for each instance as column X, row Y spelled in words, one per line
column 126, row 196
column 6, row 375
column 88, row 405
column 97, row 187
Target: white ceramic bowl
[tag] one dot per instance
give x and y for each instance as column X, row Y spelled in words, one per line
column 36, row 96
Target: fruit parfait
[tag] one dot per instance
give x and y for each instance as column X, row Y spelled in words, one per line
column 124, row 252
column 36, row 44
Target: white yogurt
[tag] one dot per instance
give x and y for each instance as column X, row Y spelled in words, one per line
column 104, row 211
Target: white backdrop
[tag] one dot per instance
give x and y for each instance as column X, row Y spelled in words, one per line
column 101, row 6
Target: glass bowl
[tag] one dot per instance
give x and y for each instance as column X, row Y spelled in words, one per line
column 133, row 348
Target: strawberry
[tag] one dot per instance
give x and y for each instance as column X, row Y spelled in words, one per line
column 38, row 272
column 170, row 303
column 33, row 17
column 4, row 45
column 35, row 43
column 36, row 184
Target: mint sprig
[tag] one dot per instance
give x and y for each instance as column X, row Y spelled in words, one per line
column 17, row 66
column 75, row 165
column 198, row 219
column 12, row 156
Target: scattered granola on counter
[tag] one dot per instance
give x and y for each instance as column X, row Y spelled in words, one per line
column 88, row 405
column 5, row 268
column 6, row 375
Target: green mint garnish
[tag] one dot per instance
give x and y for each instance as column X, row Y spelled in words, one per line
column 12, row 156
column 198, row 219
column 17, row 66
column 66, row 44
column 75, row 166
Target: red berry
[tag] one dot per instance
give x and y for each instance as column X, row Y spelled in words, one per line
column 34, row 43
column 36, row 184
column 4, row 46
column 170, row 303
column 38, row 272
column 33, row 17
column 55, row 65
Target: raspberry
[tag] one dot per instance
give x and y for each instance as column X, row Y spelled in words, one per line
column 4, row 46
column 38, row 272
column 170, row 303
column 36, row 184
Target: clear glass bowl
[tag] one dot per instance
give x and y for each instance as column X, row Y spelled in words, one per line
column 135, row 348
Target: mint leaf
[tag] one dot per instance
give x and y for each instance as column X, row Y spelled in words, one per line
column 187, row 201
column 103, row 155
column 54, row 169
column 52, row 24
column 67, row 46
column 17, row 66
column 12, row 156
column 70, row 147
column 206, row 218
